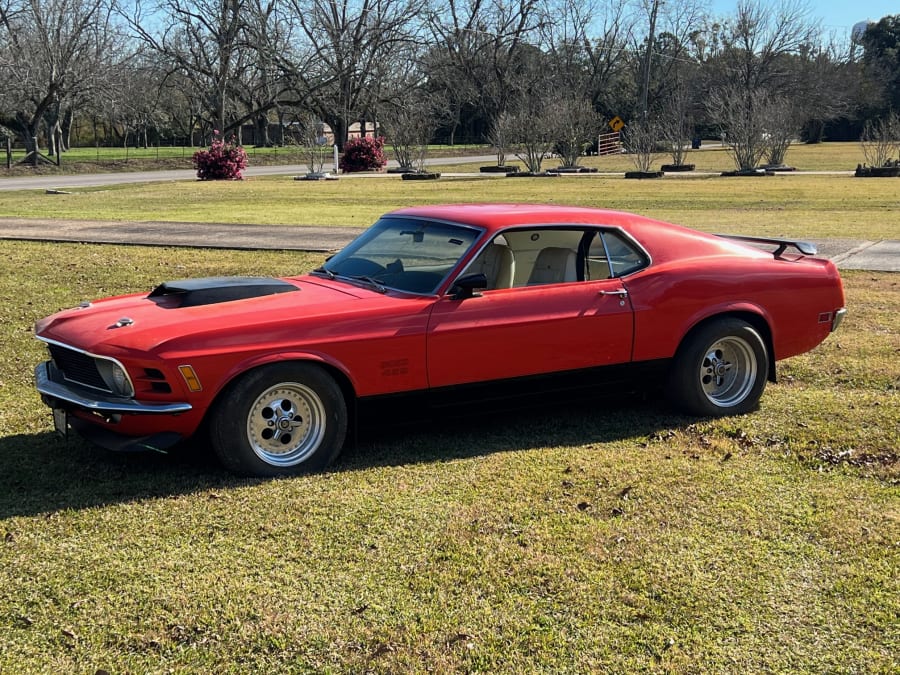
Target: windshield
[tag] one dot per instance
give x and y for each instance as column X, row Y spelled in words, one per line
column 406, row 254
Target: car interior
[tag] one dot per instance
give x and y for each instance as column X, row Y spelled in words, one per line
column 551, row 256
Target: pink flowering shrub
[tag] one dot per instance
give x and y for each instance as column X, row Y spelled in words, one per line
column 363, row 154
column 223, row 161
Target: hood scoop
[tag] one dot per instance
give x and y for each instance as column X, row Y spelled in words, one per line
column 214, row 290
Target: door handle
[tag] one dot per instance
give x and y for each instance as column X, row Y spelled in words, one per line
column 621, row 292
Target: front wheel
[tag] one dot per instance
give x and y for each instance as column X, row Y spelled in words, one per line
column 280, row 419
column 720, row 369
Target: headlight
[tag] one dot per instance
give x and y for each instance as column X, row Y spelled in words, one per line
column 115, row 377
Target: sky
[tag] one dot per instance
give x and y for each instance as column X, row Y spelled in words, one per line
column 836, row 15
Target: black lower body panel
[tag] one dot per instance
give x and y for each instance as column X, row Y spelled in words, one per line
column 521, row 392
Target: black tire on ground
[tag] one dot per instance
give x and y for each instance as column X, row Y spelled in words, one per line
column 280, row 419
column 720, row 369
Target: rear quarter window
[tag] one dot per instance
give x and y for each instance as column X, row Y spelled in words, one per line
column 623, row 255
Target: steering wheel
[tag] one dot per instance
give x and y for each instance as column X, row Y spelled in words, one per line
column 359, row 267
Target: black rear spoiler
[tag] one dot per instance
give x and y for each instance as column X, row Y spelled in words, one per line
column 805, row 247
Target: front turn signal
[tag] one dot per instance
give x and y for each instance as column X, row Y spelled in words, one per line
column 190, row 378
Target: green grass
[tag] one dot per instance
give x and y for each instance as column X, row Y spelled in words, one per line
column 596, row 538
column 791, row 205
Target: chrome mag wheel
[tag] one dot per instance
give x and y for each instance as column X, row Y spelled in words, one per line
column 728, row 371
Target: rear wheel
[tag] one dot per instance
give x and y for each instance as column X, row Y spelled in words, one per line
column 280, row 419
column 720, row 369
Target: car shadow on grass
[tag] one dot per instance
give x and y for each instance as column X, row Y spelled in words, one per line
column 491, row 430
column 42, row 474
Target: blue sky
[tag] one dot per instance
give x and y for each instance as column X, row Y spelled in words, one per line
column 837, row 15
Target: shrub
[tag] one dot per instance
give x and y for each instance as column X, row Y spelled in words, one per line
column 363, row 154
column 223, row 161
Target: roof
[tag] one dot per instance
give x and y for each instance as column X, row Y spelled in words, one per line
column 494, row 216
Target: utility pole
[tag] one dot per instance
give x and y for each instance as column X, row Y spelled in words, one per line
column 645, row 85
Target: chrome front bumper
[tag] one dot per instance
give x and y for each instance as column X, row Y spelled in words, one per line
column 57, row 394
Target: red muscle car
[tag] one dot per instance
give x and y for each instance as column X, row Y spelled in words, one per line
column 437, row 304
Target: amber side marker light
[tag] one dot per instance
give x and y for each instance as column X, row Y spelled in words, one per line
column 190, row 378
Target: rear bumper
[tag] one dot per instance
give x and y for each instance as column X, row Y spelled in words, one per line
column 838, row 318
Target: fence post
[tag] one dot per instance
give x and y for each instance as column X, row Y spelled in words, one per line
column 9, row 153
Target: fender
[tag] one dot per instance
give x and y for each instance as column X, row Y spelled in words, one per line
column 705, row 313
column 242, row 367
column 743, row 308
column 651, row 342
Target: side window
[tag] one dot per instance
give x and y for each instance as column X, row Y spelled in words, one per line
column 624, row 257
column 597, row 262
column 555, row 255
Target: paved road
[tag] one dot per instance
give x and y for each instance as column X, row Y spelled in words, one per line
column 847, row 253
column 56, row 182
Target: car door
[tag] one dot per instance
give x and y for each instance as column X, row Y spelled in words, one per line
column 529, row 329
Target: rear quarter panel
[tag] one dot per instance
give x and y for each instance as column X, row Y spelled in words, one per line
column 796, row 297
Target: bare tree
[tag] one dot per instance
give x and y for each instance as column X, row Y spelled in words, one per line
column 676, row 128
column 532, row 127
column 48, row 50
column 409, row 122
column 483, row 50
column 742, row 117
column 782, row 123
column 315, row 144
column 642, row 140
column 662, row 35
column 881, row 141
column 349, row 47
column 588, row 48
column 577, row 126
column 749, row 73
column 204, row 40
column 500, row 135
column 265, row 88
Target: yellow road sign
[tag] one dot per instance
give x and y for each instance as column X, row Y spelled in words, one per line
column 616, row 123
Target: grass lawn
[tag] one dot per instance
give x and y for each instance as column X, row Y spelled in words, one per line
column 805, row 205
column 595, row 538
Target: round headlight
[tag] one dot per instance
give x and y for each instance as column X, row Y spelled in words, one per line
column 115, row 377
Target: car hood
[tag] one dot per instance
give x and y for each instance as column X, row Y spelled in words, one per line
column 180, row 310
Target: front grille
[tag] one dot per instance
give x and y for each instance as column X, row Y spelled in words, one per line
column 77, row 367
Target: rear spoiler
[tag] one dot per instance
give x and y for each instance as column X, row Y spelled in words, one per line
column 805, row 247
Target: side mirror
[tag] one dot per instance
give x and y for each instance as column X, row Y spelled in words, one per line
column 466, row 286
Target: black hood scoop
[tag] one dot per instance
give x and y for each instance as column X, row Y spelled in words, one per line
column 214, row 290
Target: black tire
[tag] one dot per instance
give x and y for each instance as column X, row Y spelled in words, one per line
column 720, row 369
column 278, row 420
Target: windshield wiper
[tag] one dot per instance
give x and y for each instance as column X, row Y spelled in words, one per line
column 369, row 280
column 323, row 272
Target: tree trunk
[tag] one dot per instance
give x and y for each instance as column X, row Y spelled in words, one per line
column 815, row 129
column 339, row 129
column 262, row 132
column 66, row 136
